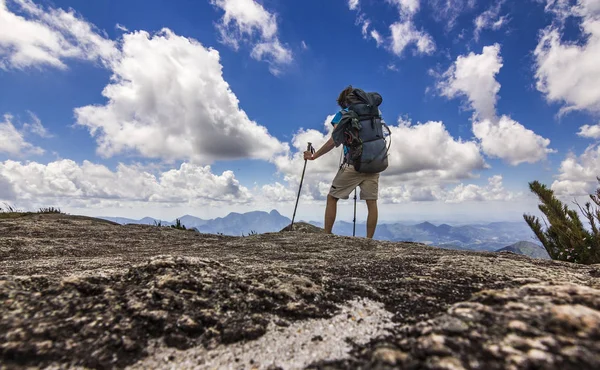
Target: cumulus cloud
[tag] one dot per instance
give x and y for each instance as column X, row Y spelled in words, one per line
column 405, row 33
column 490, row 19
column 12, row 140
column 493, row 191
column 168, row 99
column 65, row 181
column 319, row 173
column 474, row 77
column 7, row 192
column 568, row 72
column 278, row 193
column 577, row 175
column 420, row 155
column 590, row 131
column 427, row 153
column 248, row 21
column 353, row 4
column 42, row 37
column 511, row 141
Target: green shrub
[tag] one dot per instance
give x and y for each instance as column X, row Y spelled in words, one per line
column 49, row 210
column 565, row 238
column 252, row 232
column 178, row 225
column 8, row 211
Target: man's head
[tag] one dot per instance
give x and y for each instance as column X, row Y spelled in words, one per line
column 342, row 100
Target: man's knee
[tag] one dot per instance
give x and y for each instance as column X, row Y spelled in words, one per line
column 331, row 199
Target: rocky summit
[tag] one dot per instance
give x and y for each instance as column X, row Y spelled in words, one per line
column 78, row 292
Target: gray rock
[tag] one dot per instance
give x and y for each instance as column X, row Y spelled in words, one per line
column 77, row 291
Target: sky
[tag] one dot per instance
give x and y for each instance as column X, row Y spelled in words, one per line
column 155, row 108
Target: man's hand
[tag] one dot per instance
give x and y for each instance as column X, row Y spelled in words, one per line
column 308, row 155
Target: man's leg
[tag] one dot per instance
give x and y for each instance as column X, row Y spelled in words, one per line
column 330, row 212
column 371, row 218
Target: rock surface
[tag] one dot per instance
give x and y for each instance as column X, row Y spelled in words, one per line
column 82, row 292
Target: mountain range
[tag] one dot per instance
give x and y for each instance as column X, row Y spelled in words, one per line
column 232, row 224
column 476, row 237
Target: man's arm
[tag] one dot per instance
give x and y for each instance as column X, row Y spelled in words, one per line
column 323, row 150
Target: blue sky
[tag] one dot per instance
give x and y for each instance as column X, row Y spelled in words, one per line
column 203, row 107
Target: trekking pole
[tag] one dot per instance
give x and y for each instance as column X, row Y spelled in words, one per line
column 312, row 150
column 354, row 227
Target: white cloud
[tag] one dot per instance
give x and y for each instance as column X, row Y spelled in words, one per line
column 450, row 10
column 404, row 33
column 511, row 141
column 473, row 76
column 377, row 37
column 120, row 27
column 353, row 4
column 407, row 8
column 290, row 165
column 569, row 72
column 490, row 19
column 36, row 127
column 590, row 131
column 392, row 67
column 564, row 9
column 274, row 53
column 12, row 141
column 561, row 8
column 366, row 23
column 421, row 156
column 365, row 27
column 47, row 37
column 577, row 175
column 168, row 99
column 243, row 18
column 278, row 193
column 249, row 21
column 7, row 192
column 493, row 191
column 67, row 183
column 427, row 153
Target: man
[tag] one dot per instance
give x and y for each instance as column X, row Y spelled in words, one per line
column 347, row 178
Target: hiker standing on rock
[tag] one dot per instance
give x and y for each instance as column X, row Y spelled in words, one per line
column 359, row 126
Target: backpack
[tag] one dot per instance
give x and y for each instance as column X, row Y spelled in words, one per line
column 361, row 130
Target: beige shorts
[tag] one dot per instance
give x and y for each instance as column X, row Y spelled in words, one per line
column 347, row 179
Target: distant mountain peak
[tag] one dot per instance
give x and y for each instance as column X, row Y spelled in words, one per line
column 526, row 248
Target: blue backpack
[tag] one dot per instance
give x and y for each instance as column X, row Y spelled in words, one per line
column 361, row 130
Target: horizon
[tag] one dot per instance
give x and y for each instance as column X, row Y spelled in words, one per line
column 358, row 222
column 161, row 109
